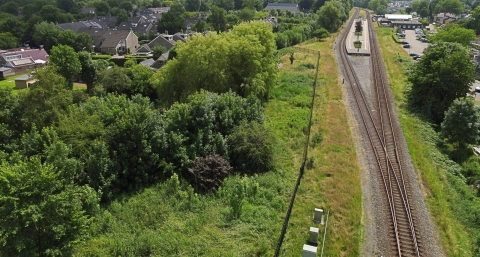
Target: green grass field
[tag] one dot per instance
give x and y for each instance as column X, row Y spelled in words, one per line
column 10, row 83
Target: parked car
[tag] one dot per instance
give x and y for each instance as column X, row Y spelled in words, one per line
column 406, row 46
column 416, row 57
column 414, row 54
column 477, row 90
column 405, row 42
column 400, row 35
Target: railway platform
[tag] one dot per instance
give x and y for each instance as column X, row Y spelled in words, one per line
column 365, row 47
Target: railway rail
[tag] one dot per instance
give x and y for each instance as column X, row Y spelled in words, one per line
column 382, row 136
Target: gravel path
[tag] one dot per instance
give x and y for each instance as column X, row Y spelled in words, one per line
column 376, row 234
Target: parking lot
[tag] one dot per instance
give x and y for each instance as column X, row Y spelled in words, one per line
column 416, row 46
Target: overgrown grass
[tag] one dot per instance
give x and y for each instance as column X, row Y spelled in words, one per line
column 451, row 202
column 333, row 183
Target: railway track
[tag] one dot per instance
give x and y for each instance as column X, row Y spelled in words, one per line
column 382, row 136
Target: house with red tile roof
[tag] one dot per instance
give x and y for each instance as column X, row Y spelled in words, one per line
column 21, row 61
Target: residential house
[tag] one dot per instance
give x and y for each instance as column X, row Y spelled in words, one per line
column 407, row 24
column 110, row 21
column 283, row 7
column 139, row 25
column 76, row 26
column 147, row 63
column 164, row 40
column 444, row 18
column 87, row 10
column 21, row 61
column 112, row 41
column 162, row 60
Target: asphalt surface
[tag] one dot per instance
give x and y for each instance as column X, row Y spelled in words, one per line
column 416, row 46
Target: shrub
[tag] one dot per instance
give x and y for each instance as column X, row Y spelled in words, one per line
column 207, row 173
column 317, row 138
column 251, row 148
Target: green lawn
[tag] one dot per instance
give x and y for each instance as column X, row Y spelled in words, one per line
column 10, row 83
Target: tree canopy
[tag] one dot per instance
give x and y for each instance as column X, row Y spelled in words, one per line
column 455, row 34
column 242, row 61
column 66, row 62
column 462, row 122
column 443, row 74
column 452, row 6
column 331, row 15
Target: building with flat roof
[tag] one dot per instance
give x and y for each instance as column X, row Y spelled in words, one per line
column 282, row 6
column 398, row 17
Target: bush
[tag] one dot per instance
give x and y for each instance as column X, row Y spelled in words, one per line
column 251, row 148
column 317, row 138
column 207, row 173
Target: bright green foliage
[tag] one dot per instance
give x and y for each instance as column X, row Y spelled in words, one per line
column 242, row 61
column 66, row 62
column 455, row 34
column 462, row 123
column 140, row 82
column 158, row 51
column 321, row 33
column 172, row 21
column 78, row 41
column 10, row 123
column 46, row 100
column 331, row 15
column 421, row 7
column 246, row 14
column 378, row 6
column 46, row 34
column 8, row 41
column 251, row 148
column 218, row 19
column 443, row 74
column 41, row 213
column 451, row 6
column 88, row 73
column 114, row 80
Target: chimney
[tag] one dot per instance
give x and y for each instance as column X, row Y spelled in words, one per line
column 166, row 32
column 41, row 46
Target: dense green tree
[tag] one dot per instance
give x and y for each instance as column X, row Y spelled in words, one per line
column 317, row 4
column 252, row 4
column 421, row 7
column 14, row 26
column 114, row 80
column 331, row 16
column 66, row 62
column 158, row 51
column 251, row 148
column 246, row 14
column 10, row 120
column 305, row 4
column 192, row 5
column 84, row 42
column 223, row 4
column 218, row 19
column 102, row 8
column 50, row 13
column 451, row 6
column 67, row 5
column 8, row 41
column 42, row 214
column 455, row 34
column 242, row 61
column 46, row 100
column 200, row 26
column 68, row 38
column 377, row 5
column 462, row 123
column 126, row 5
column 11, row 7
column 88, row 73
column 46, row 34
column 443, row 74
column 140, row 81
column 173, row 20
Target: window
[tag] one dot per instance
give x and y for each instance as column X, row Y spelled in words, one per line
column 13, row 57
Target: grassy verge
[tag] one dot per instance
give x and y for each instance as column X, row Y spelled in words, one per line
column 441, row 188
column 334, row 181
